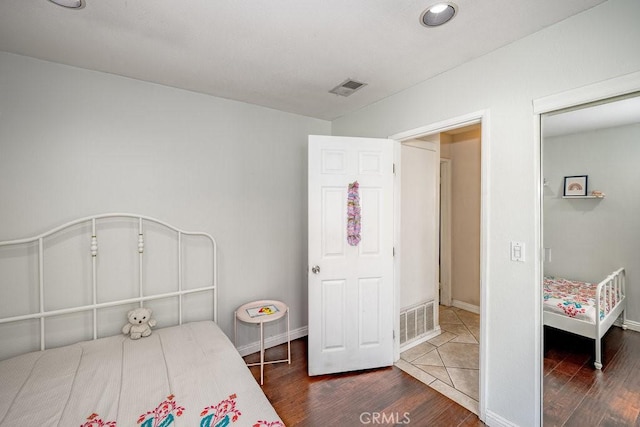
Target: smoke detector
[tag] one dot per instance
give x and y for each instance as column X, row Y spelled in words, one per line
column 347, row 87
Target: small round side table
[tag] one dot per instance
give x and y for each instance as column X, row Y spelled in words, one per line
column 261, row 312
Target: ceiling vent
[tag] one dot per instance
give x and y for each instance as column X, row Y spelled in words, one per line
column 347, row 87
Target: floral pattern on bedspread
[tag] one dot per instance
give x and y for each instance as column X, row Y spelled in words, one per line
column 575, row 299
column 162, row 415
column 94, row 420
column 220, row 415
column 226, row 412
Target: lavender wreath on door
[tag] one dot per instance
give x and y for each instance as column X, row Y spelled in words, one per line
column 353, row 214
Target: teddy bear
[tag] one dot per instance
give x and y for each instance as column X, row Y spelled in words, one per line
column 140, row 323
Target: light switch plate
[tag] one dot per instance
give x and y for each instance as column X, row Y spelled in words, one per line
column 517, row 251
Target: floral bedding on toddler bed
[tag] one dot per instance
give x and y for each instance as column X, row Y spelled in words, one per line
column 575, row 299
column 189, row 375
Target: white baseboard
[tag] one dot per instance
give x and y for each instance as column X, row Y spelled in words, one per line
column 494, row 420
column 634, row 326
column 273, row 341
column 437, row 331
column 466, row 306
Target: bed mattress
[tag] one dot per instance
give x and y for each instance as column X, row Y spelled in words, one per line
column 189, row 375
column 574, row 299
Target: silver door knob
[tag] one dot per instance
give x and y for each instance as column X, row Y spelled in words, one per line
column 315, row 269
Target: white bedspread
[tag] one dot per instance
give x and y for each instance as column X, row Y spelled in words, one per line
column 188, row 375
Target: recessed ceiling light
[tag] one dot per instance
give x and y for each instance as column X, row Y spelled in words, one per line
column 438, row 8
column 438, row 14
column 72, row 4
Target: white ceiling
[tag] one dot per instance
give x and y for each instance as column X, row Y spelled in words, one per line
column 283, row 54
column 610, row 114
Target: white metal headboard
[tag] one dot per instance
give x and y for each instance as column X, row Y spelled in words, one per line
column 93, row 252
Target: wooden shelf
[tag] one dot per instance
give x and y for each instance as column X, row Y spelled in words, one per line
column 583, row 197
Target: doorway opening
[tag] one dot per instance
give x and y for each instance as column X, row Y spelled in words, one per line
column 593, row 130
column 440, row 241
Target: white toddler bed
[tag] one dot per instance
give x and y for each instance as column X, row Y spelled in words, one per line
column 585, row 309
column 184, row 374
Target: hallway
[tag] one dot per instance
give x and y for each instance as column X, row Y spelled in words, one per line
column 449, row 362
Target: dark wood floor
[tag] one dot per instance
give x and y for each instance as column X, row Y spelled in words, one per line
column 576, row 394
column 352, row 399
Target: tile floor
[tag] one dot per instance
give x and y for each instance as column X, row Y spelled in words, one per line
column 449, row 362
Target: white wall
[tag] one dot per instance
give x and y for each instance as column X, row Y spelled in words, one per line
column 419, row 231
column 75, row 142
column 590, row 238
column 598, row 44
column 464, row 152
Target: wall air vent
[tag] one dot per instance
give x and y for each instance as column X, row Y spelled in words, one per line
column 347, row 87
column 416, row 322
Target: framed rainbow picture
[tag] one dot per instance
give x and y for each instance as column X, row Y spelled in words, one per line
column 575, row 185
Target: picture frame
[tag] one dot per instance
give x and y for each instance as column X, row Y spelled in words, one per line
column 575, row 186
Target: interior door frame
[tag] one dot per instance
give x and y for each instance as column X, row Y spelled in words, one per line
column 610, row 88
column 483, row 118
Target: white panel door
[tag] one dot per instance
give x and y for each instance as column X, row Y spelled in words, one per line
column 351, row 298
